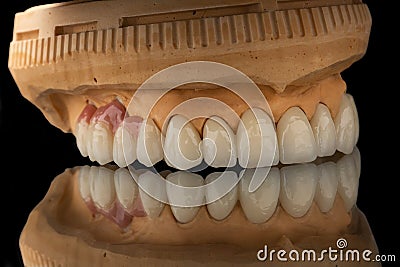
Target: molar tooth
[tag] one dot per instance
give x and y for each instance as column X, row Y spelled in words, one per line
column 348, row 180
column 295, row 137
column 185, row 195
column 324, row 131
column 152, row 191
column 221, row 195
column 259, row 205
column 327, row 185
column 84, row 182
column 298, row 184
column 182, row 144
column 81, row 128
column 219, row 143
column 149, row 149
column 102, row 187
column 256, row 140
column 345, row 126
column 125, row 188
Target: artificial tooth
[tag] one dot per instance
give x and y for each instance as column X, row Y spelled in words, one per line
column 149, row 150
column 356, row 119
column 219, row 143
column 345, row 122
column 298, row 184
column 185, row 195
column 259, row 205
column 182, row 144
column 327, row 185
column 324, row 131
column 256, row 140
column 126, row 188
column 81, row 128
column 152, row 192
column 348, row 180
column 84, row 182
column 221, row 193
column 102, row 187
column 357, row 160
column 295, row 137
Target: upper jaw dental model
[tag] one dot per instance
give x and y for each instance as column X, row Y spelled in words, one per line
column 217, row 129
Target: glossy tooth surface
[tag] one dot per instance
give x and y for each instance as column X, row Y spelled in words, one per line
column 84, row 182
column 102, row 143
column 345, row 126
column 82, row 127
column 185, row 195
column 219, row 143
column 182, row 144
column 298, row 184
column 259, row 205
column 327, row 185
column 348, row 180
column 125, row 187
column 149, row 149
column 102, row 187
column 356, row 119
column 153, row 193
column 256, row 140
column 89, row 143
column 295, row 138
column 221, row 193
column 324, row 131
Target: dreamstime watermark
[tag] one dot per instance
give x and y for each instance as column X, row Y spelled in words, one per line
column 340, row 253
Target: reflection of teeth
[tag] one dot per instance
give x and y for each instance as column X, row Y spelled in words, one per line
column 219, row 144
column 186, row 199
column 81, row 128
column 126, row 188
column 102, row 187
column 256, row 140
column 149, row 148
column 224, row 202
column 324, row 131
column 345, row 126
column 259, row 205
column 151, row 184
column 182, row 144
column 298, row 185
column 295, row 138
column 348, row 180
column 84, row 182
column 325, row 193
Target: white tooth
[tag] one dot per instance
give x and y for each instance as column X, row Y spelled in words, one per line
column 324, row 131
column 185, row 195
column 152, row 192
column 348, row 180
column 356, row 119
column 124, row 148
column 81, row 132
column 357, row 160
column 102, row 187
column 256, row 140
column 219, row 143
column 89, row 144
column 221, row 193
column 84, row 182
column 102, row 142
column 149, row 149
column 182, row 144
column 259, row 205
column 325, row 193
column 295, row 137
column 345, row 126
column 125, row 188
column 298, row 185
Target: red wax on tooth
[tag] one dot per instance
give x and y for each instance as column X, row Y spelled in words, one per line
column 87, row 113
column 138, row 210
column 132, row 124
column 112, row 114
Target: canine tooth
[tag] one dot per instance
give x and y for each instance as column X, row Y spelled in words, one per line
column 327, row 185
column 345, row 126
column 356, row 119
column 185, row 195
column 324, row 131
column 219, row 143
column 260, row 205
column 102, row 187
column 125, row 188
column 221, row 194
column 298, row 184
column 348, row 180
column 295, row 138
column 149, row 149
column 152, row 192
column 182, row 144
column 84, row 182
column 256, row 140
column 81, row 128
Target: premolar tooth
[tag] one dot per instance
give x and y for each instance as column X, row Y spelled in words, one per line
column 324, row 131
column 81, row 128
column 298, row 185
column 348, row 180
column 149, row 149
column 182, row 144
column 327, row 185
column 256, row 140
column 295, row 138
column 102, row 187
column 185, row 195
column 125, row 188
column 219, row 143
column 152, row 192
column 345, row 126
column 221, row 195
column 259, row 205
column 84, row 182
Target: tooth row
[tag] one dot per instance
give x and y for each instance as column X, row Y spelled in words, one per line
column 294, row 188
column 258, row 142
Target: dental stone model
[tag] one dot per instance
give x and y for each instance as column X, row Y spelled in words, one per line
column 215, row 128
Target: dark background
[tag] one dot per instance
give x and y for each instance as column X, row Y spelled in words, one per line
column 34, row 152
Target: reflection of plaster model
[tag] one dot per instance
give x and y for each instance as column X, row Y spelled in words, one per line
column 81, row 63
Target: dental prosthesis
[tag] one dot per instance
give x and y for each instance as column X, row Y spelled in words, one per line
column 214, row 128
